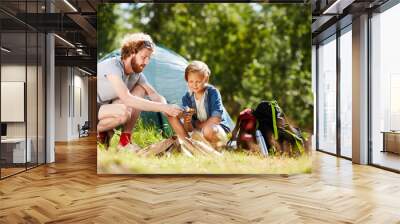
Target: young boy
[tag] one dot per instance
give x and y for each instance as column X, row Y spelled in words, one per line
column 210, row 115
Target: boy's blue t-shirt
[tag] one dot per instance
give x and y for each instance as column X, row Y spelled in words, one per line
column 213, row 104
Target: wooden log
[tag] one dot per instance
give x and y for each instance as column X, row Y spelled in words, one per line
column 194, row 145
column 199, row 137
column 208, row 149
column 158, row 148
column 183, row 148
column 189, row 146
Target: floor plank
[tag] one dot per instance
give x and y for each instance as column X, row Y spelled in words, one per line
column 70, row 191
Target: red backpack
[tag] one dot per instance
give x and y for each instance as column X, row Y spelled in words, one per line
column 245, row 129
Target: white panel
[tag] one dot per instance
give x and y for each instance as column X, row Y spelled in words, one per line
column 360, row 90
column 346, row 94
column 327, row 97
column 12, row 101
column 50, row 80
column 77, row 112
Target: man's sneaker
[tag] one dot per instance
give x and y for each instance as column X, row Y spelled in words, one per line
column 125, row 138
column 102, row 138
column 125, row 143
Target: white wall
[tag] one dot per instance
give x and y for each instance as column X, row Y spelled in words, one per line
column 61, row 103
column 71, row 94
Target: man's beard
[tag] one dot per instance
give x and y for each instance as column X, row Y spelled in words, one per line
column 135, row 67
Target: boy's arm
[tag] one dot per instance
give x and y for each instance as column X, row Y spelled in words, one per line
column 209, row 121
column 186, row 101
column 215, row 103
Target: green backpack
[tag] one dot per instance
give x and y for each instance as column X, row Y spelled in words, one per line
column 271, row 119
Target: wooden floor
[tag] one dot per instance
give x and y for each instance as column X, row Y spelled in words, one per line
column 10, row 171
column 70, row 191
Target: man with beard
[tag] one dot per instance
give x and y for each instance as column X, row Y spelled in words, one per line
column 121, row 88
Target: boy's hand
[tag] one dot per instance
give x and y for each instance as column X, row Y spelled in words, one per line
column 187, row 120
column 187, row 117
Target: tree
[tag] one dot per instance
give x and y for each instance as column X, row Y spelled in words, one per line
column 106, row 28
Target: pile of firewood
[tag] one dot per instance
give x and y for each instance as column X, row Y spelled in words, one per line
column 194, row 146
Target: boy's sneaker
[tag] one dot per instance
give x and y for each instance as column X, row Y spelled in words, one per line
column 125, row 143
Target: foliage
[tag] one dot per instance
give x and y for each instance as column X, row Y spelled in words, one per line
column 106, row 29
column 254, row 51
column 145, row 135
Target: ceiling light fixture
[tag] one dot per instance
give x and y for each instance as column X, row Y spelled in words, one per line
column 337, row 7
column 79, row 51
column 65, row 41
column 84, row 71
column 5, row 49
column 70, row 5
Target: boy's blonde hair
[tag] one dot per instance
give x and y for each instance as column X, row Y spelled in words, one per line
column 133, row 43
column 197, row 67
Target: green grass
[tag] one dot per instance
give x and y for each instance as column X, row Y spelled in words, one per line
column 143, row 135
column 232, row 162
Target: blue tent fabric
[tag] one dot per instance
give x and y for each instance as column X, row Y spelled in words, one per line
column 166, row 73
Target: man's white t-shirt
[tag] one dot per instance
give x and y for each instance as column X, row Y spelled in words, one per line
column 114, row 66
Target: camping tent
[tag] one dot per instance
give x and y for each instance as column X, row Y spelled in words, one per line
column 165, row 72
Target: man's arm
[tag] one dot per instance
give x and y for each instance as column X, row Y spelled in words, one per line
column 152, row 93
column 138, row 102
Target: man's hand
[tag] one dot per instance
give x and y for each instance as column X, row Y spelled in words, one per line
column 171, row 110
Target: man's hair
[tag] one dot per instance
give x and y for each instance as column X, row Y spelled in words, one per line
column 197, row 67
column 133, row 43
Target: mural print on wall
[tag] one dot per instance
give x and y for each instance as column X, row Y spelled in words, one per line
column 204, row 88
